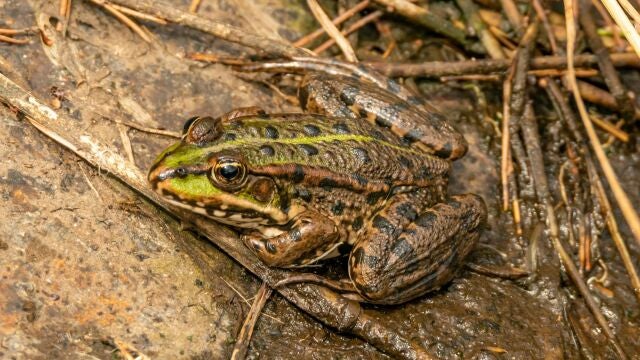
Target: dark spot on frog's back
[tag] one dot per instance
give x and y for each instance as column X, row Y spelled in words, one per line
column 271, row 132
column 303, row 194
column 267, row 150
column 357, row 223
column 407, row 211
column 337, row 208
column 360, row 258
column 383, row 122
column 412, row 136
column 361, row 180
column 426, row 220
column 341, row 128
column 361, row 154
column 405, row 162
column 229, row 136
column 295, row 235
column 271, row 248
column 309, row 150
column 445, row 151
column 298, row 174
column 311, row 130
column 328, row 183
column 374, row 197
column 402, row 249
column 381, row 223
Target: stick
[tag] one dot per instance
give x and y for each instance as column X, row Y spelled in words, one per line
column 425, row 18
column 446, row 68
column 337, row 21
column 332, row 30
column 242, row 343
column 609, row 73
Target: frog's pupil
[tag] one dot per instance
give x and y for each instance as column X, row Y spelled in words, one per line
column 229, row 171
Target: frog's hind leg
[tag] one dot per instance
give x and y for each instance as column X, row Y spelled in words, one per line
column 409, row 253
column 423, row 127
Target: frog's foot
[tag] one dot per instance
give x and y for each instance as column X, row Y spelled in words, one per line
column 311, row 237
column 423, row 127
column 408, row 254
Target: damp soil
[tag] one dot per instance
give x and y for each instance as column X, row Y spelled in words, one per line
column 88, row 268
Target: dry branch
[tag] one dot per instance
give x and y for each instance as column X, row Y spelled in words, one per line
column 448, row 68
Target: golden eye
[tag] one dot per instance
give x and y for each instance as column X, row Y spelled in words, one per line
column 229, row 173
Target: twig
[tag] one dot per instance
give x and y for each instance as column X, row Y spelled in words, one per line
column 242, row 343
column 506, row 166
column 446, row 68
column 518, row 100
column 86, row 178
column 622, row 20
column 611, row 78
column 542, row 15
column 489, row 42
column 126, row 143
column 355, row 26
column 124, row 18
column 224, row 31
column 511, row 10
column 332, row 30
column 193, row 7
column 610, row 128
column 425, row 18
column 11, row 40
column 630, row 10
column 140, row 15
column 625, row 204
column 595, row 95
column 337, row 21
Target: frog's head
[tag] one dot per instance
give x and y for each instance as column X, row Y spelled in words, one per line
column 209, row 175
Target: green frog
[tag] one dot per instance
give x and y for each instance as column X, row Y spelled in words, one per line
column 362, row 171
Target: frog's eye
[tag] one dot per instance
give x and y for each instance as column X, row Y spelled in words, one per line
column 201, row 130
column 187, row 124
column 228, row 173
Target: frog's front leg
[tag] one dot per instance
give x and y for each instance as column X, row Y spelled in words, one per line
column 407, row 252
column 310, row 236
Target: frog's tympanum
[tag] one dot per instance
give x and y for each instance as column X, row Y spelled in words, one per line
column 363, row 168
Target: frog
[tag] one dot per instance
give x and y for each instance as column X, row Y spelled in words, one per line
column 361, row 172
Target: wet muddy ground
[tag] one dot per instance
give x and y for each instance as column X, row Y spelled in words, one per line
column 87, row 267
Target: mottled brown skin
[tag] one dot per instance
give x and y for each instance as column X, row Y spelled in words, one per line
column 371, row 172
